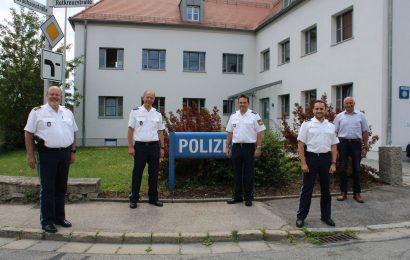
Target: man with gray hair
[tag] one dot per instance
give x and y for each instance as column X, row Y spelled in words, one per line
column 353, row 132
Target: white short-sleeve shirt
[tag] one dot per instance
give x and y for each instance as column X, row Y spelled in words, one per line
column 55, row 128
column 245, row 127
column 146, row 124
column 318, row 136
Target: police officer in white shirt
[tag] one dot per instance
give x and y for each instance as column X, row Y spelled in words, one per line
column 146, row 145
column 319, row 158
column 52, row 127
column 245, row 130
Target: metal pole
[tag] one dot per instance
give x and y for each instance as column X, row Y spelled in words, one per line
column 64, row 55
column 389, row 72
column 47, row 47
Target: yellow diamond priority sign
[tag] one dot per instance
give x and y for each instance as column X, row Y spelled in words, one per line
column 52, row 31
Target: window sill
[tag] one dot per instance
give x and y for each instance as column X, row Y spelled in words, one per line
column 280, row 64
column 262, row 71
column 307, row 54
column 103, row 68
column 234, row 73
column 194, row 71
column 153, row 69
column 110, row 117
column 346, row 40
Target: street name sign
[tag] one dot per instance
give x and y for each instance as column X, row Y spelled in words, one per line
column 34, row 5
column 72, row 3
column 51, row 65
column 52, row 31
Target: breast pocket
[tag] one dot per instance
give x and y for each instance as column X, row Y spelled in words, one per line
column 68, row 122
column 46, row 123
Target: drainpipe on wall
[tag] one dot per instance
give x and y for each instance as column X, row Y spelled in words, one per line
column 84, row 86
column 389, row 72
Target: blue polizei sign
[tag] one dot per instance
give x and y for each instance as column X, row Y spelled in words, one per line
column 194, row 145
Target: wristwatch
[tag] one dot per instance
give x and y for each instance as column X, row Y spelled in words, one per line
column 74, row 151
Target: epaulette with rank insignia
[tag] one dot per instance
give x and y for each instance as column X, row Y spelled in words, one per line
column 37, row 108
column 253, row 112
column 307, row 120
column 135, row 108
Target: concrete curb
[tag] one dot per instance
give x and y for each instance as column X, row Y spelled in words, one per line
column 185, row 238
column 266, row 198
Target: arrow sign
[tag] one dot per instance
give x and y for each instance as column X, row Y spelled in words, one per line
column 34, row 5
column 51, row 65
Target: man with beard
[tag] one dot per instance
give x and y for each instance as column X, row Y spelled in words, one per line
column 245, row 130
column 52, row 127
column 319, row 158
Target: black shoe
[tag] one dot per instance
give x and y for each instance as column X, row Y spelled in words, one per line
column 248, row 203
column 300, row 223
column 133, row 205
column 156, row 203
column 49, row 228
column 328, row 221
column 64, row 223
column 233, row 201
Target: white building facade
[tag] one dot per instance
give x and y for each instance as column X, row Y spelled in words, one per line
column 344, row 48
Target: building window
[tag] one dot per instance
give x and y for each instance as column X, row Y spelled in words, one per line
column 285, row 105
column 153, row 59
column 265, row 58
column 159, row 104
column 284, row 52
column 342, row 91
column 110, row 142
column 344, row 26
column 192, row 13
column 194, row 102
column 194, row 61
column 111, row 58
column 110, row 106
column 232, row 63
column 286, row 3
column 309, row 97
column 227, row 106
column 310, row 38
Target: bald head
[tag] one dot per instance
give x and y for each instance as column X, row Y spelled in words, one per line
column 148, row 98
column 54, row 97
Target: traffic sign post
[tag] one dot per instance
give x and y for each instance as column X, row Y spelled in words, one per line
column 51, row 65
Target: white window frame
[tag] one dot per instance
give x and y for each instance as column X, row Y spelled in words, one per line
column 188, row 101
column 192, row 13
column 239, row 63
column 284, row 105
column 201, row 62
column 265, row 60
column 284, row 51
column 338, row 26
column 307, row 46
column 229, row 105
column 307, row 97
column 146, row 59
column 102, row 107
column 119, row 63
column 341, row 92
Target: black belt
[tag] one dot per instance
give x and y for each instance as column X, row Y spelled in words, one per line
column 244, row 144
column 45, row 148
column 318, row 154
column 354, row 140
column 147, row 143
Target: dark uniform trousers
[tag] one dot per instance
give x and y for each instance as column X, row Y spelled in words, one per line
column 53, row 166
column 243, row 160
column 319, row 164
column 145, row 152
column 353, row 149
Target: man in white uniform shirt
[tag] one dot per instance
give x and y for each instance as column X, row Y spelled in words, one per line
column 146, row 145
column 52, row 127
column 245, row 130
column 319, row 158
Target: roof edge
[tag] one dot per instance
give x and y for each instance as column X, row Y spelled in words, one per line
column 252, row 90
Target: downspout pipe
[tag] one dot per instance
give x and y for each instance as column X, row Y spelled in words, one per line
column 389, row 72
column 84, row 83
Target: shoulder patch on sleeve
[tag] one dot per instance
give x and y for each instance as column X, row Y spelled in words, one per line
column 260, row 122
column 135, row 108
column 37, row 108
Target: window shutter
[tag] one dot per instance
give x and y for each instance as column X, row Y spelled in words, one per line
column 102, row 58
column 100, row 106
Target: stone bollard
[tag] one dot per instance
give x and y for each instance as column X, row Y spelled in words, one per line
column 390, row 164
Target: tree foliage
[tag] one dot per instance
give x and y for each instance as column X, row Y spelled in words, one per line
column 21, row 88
